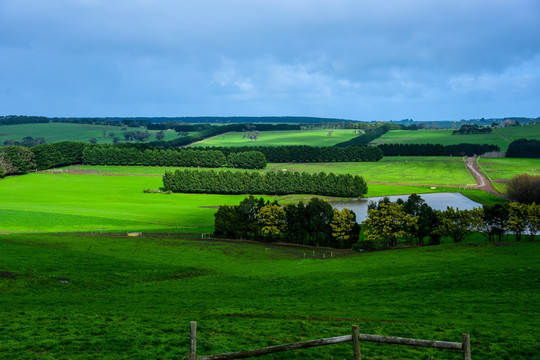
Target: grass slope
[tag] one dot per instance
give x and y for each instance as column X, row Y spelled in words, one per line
column 500, row 170
column 134, row 298
column 54, row 132
column 500, row 136
column 277, row 138
column 402, row 170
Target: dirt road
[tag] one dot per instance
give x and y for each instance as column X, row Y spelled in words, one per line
column 482, row 182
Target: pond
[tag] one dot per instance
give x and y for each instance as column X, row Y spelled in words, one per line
column 438, row 201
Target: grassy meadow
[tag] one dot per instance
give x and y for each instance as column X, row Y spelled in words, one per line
column 277, row 138
column 500, row 136
column 134, row 298
column 111, row 198
column 54, row 132
column 425, row 170
column 500, row 170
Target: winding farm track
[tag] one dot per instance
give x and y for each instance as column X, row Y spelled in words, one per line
column 482, row 183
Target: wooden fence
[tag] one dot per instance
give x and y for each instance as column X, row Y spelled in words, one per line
column 463, row 347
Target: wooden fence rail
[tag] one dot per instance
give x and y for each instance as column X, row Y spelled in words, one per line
column 464, row 346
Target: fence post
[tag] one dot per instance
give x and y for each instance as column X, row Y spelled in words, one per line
column 356, row 342
column 466, row 344
column 193, row 341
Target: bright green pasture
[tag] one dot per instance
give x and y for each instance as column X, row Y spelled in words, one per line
column 396, row 170
column 54, row 132
column 500, row 136
column 277, row 138
column 73, row 202
column 500, row 170
column 134, row 298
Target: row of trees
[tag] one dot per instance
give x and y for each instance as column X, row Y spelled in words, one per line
column 524, row 148
column 369, row 136
column 436, row 149
column 21, row 119
column 16, row 160
column 304, row 153
column 314, row 223
column 115, row 155
column 414, row 220
column 271, row 183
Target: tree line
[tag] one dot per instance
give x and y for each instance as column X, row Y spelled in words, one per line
column 315, row 223
column 304, row 153
column 369, row 135
column 20, row 119
column 271, row 183
column 115, row 155
column 436, row 149
column 414, row 221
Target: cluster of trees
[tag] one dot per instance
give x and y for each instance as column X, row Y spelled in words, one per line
column 20, row 119
column 271, row 183
column 472, row 129
column 315, row 223
column 524, row 188
column 524, row 148
column 369, row 135
column 120, row 155
column 27, row 141
column 16, row 160
column 304, row 153
column 141, row 136
column 414, row 221
column 436, row 149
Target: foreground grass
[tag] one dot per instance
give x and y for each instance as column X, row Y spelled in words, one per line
column 134, row 298
column 500, row 136
column 54, row 132
column 277, row 138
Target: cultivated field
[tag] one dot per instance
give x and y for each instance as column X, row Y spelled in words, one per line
column 276, row 138
column 501, row 137
column 54, row 132
column 133, row 298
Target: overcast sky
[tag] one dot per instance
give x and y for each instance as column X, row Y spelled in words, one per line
column 353, row 59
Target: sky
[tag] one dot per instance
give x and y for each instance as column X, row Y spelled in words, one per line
column 362, row 60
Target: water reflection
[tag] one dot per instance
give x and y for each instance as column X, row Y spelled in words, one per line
column 438, row 201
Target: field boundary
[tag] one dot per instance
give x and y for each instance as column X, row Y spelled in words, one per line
column 464, row 346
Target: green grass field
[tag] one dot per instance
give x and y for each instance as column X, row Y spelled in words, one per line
column 276, row 138
column 54, row 132
column 500, row 136
column 134, row 298
column 449, row 171
column 500, row 170
column 91, row 198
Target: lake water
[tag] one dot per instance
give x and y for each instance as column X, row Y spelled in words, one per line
column 438, row 201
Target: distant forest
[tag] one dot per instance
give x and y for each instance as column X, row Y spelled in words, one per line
column 171, row 121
